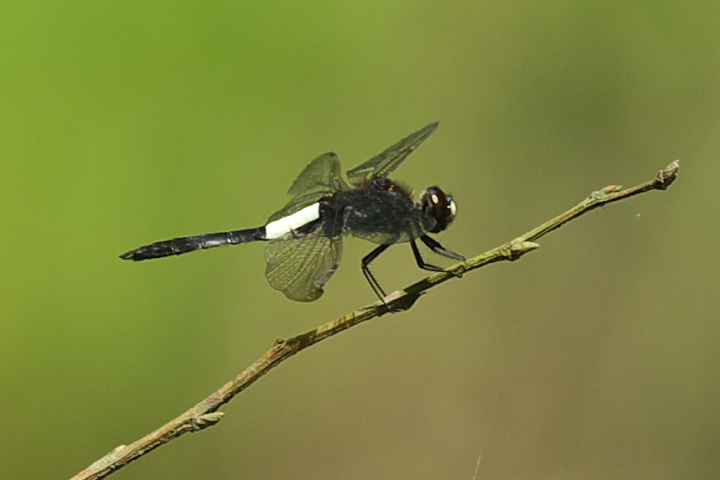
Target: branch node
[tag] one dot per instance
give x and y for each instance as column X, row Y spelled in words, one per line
column 611, row 189
column 517, row 249
column 399, row 301
column 206, row 420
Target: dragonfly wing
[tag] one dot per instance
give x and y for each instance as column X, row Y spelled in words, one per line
column 300, row 266
column 383, row 163
column 321, row 178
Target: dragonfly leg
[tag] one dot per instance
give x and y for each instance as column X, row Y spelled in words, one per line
column 420, row 262
column 435, row 246
column 368, row 274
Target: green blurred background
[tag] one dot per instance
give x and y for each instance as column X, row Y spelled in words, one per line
column 123, row 123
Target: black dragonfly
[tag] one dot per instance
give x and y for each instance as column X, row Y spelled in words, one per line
column 305, row 237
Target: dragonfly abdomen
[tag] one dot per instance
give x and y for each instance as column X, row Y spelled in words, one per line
column 178, row 246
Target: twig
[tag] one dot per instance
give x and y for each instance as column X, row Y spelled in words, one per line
column 205, row 413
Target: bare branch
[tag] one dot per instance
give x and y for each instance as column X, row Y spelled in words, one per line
column 205, row 414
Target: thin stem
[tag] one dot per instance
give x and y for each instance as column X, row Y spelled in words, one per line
column 205, row 413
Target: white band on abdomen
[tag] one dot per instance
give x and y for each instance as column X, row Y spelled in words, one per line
column 285, row 225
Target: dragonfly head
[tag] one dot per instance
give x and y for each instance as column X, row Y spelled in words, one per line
column 440, row 206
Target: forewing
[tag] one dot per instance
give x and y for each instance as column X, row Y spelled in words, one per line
column 382, row 164
column 300, row 267
column 319, row 179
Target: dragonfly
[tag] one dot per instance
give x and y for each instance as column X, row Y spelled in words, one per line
column 305, row 237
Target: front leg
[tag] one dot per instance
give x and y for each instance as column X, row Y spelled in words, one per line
column 420, row 262
column 435, row 246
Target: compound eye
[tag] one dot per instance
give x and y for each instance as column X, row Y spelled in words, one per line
column 440, row 207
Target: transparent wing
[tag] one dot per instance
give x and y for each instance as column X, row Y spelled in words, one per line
column 300, row 267
column 382, row 164
column 319, row 179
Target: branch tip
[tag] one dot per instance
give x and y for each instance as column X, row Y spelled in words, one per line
column 667, row 176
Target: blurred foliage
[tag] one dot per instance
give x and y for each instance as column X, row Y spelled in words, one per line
column 126, row 123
